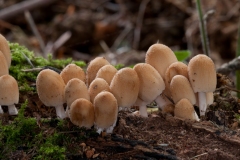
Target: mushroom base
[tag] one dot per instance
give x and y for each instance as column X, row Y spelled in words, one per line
column 12, row 110
column 60, row 112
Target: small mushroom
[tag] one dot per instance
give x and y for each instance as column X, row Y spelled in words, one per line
column 107, row 73
column 81, row 113
column 50, row 89
column 181, row 88
column 93, row 68
column 125, row 87
column 151, row 85
column 9, row 93
column 98, row 85
column 3, row 65
column 106, row 111
column 160, row 57
column 202, row 76
column 75, row 89
column 4, row 47
column 72, row 71
column 184, row 110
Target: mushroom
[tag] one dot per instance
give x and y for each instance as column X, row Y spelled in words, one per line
column 184, row 110
column 75, row 89
column 98, row 85
column 209, row 98
column 125, row 87
column 81, row 113
column 107, row 73
column 160, row 57
column 93, row 68
column 4, row 47
column 202, row 76
column 181, row 88
column 151, row 85
column 106, row 111
column 3, row 65
column 9, row 93
column 50, row 89
column 72, row 71
column 176, row 68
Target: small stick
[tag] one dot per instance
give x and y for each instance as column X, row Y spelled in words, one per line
column 199, row 155
column 28, row 60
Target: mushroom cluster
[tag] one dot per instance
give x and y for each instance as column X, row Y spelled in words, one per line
column 94, row 97
column 9, row 92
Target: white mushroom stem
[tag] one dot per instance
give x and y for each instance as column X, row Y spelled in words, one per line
column 110, row 129
column 202, row 103
column 67, row 112
column 162, row 101
column 60, row 112
column 12, row 110
column 1, row 110
column 197, row 118
column 142, row 107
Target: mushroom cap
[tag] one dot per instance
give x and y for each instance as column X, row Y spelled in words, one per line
column 202, row 74
column 107, row 73
column 9, row 92
column 72, row 71
column 82, row 113
column 75, row 89
column 93, row 68
column 106, row 109
column 3, row 65
column 184, row 110
column 160, row 57
column 151, row 82
column 50, row 88
column 181, row 88
column 98, row 85
column 125, row 87
column 4, row 47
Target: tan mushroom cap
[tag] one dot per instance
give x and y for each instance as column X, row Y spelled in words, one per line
column 176, row 68
column 160, row 57
column 50, row 88
column 4, row 47
column 82, row 113
column 151, row 82
column 3, row 65
column 98, row 85
column 125, row 87
column 106, row 110
column 93, row 68
column 75, row 89
column 72, row 71
column 184, row 110
column 181, row 88
column 107, row 73
column 9, row 92
column 202, row 74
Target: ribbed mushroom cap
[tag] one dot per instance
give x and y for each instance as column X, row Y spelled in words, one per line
column 50, row 88
column 151, row 82
column 181, row 88
column 184, row 110
column 4, row 47
column 98, row 85
column 3, row 65
column 72, row 71
column 176, row 68
column 75, row 89
column 202, row 74
column 93, row 68
column 160, row 57
column 9, row 92
column 82, row 113
column 106, row 109
column 107, row 73
column 125, row 87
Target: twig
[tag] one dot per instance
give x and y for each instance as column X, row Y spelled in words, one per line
column 21, row 7
column 229, row 67
column 137, row 31
column 199, row 155
column 238, row 54
column 35, row 31
column 28, row 60
column 203, row 29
